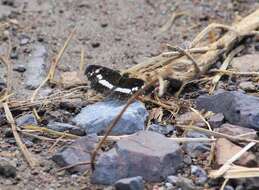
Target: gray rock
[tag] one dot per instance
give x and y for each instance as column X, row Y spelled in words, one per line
column 27, row 119
column 238, row 108
column 196, row 149
column 200, row 174
column 182, row 182
column 97, row 117
column 164, row 130
column 36, row 68
column 7, row 169
column 216, row 120
column 132, row 183
column 61, row 127
column 79, row 151
column 147, row 154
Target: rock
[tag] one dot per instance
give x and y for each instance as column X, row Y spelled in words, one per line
column 27, row 119
column 238, row 108
column 78, row 151
column 247, row 86
column 216, row 120
column 72, row 79
column 96, row 118
column 246, row 63
column 235, row 130
column 147, row 154
column 7, row 169
column 196, row 149
column 226, row 149
column 164, row 130
column 132, row 183
column 181, row 182
column 19, row 68
column 36, row 68
column 200, row 175
column 62, row 127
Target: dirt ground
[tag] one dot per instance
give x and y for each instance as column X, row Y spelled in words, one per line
column 114, row 33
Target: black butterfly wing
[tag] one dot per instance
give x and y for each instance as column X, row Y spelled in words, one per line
column 105, row 79
column 102, row 78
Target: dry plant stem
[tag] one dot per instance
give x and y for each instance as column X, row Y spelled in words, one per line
column 73, row 165
column 170, row 22
column 224, row 184
column 218, row 135
column 82, row 63
column 176, row 139
column 49, row 131
column 187, row 54
column 224, row 66
column 229, row 72
column 228, row 163
column 209, row 28
column 236, row 172
column 31, row 161
column 116, row 120
column 212, row 148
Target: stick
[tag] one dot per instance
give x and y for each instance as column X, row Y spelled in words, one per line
column 31, row 161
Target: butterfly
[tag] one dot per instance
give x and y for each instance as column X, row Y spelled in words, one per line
column 105, row 79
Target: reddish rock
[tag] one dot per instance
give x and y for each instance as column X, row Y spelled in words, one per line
column 226, row 150
column 235, row 130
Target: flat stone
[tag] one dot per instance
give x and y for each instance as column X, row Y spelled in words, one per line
column 78, row 151
column 246, row 63
column 196, row 149
column 97, row 117
column 147, row 154
column 216, row 120
column 238, row 108
column 27, row 119
column 36, row 68
column 235, row 130
column 7, row 169
column 62, row 127
column 132, row 183
column 226, row 150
